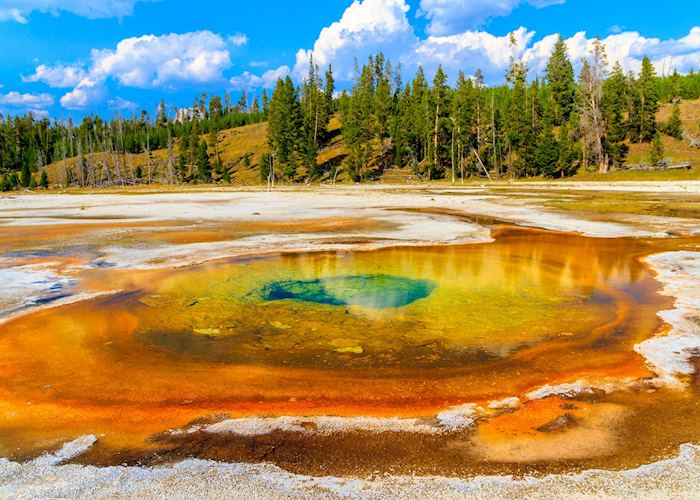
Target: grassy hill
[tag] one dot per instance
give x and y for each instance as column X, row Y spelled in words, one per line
column 241, row 150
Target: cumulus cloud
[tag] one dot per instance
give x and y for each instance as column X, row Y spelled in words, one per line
column 26, row 101
column 627, row 48
column 268, row 79
column 166, row 62
column 151, row 61
column 472, row 50
column 366, row 27
column 18, row 10
column 370, row 26
column 58, row 76
column 88, row 93
column 448, row 17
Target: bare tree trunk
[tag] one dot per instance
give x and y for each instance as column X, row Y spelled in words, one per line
column 171, row 163
column 493, row 133
column 65, row 165
column 452, row 154
column 148, row 156
column 435, row 136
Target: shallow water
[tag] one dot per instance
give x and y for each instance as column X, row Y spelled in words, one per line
column 400, row 332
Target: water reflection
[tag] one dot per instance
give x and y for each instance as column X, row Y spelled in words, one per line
column 403, row 331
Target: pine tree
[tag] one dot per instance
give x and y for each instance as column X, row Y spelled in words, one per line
column 383, row 105
column 656, row 150
column 614, row 103
column 203, row 164
column 265, row 103
column 313, row 104
column 359, row 124
column 25, row 176
column 286, row 137
column 569, row 154
column 673, row 126
column 225, row 174
column 465, row 119
column 442, row 126
column 44, row 182
column 329, row 90
column 648, row 101
column 415, row 121
column 547, row 154
column 519, row 125
column 560, row 77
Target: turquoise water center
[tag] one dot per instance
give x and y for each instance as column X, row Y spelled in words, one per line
column 377, row 291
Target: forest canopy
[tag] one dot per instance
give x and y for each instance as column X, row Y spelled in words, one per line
column 551, row 125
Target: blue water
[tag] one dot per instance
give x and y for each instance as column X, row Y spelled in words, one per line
column 377, row 291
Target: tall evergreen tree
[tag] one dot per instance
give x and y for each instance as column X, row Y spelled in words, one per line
column 329, row 91
column 442, row 125
column 648, row 101
column 519, row 125
column 465, row 121
column 203, row 162
column 359, row 124
column 673, row 127
column 614, row 104
column 560, row 77
column 286, row 136
column 656, row 150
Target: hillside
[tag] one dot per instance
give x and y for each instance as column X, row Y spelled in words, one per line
column 236, row 144
column 233, row 146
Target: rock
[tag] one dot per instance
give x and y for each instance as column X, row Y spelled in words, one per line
column 559, row 424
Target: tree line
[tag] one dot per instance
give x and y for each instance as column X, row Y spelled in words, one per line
column 551, row 126
column 103, row 147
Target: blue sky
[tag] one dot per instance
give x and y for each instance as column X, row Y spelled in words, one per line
column 70, row 57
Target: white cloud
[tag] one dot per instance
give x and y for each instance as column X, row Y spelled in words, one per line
column 370, row 26
column 151, row 61
column 472, row 50
column 258, row 64
column 268, row 80
column 239, row 39
column 26, row 101
column 120, row 104
column 448, row 17
column 58, row 76
column 18, row 10
column 366, row 27
column 627, row 48
column 88, row 93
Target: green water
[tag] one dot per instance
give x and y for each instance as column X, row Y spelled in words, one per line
column 375, row 291
column 427, row 307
